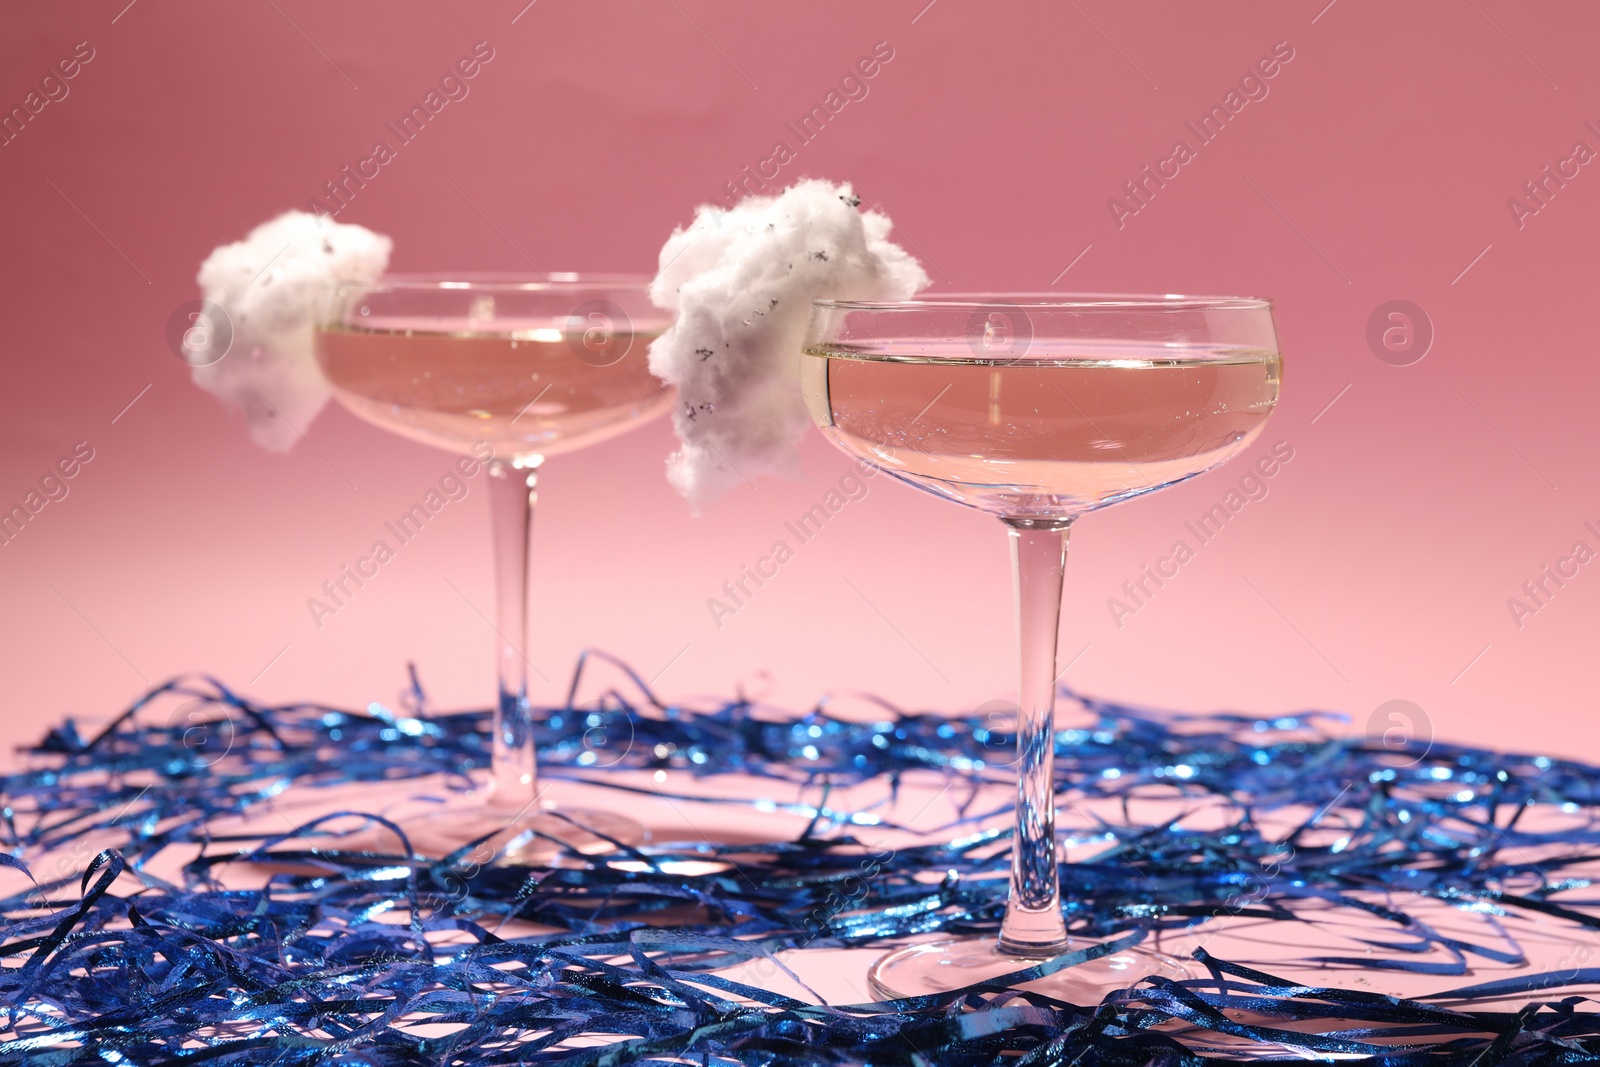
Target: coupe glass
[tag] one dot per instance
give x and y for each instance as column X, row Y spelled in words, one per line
column 1038, row 408
column 508, row 370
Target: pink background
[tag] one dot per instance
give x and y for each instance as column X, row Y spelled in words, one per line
column 1377, row 168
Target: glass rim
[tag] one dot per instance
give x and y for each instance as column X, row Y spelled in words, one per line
column 1051, row 301
column 499, row 282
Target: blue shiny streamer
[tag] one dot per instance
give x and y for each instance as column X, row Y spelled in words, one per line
column 342, row 955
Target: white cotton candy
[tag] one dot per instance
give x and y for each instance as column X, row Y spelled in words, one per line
column 272, row 285
column 742, row 282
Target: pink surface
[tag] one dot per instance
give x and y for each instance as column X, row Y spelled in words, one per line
column 1376, row 164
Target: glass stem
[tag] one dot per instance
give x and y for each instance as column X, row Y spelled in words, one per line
column 512, row 495
column 1033, row 926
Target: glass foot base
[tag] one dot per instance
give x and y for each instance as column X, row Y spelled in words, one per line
column 534, row 838
column 940, row 966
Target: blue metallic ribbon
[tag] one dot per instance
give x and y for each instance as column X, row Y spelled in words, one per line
column 342, row 955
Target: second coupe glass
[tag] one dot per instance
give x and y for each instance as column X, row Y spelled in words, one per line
column 1038, row 408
